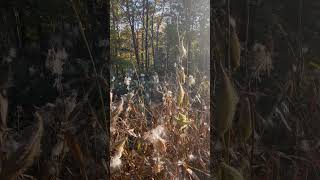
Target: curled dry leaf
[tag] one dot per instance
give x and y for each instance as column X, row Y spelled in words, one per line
column 76, row 151
column 160, row 146
column 192, row 174
column 158, row 165
column 131, row 133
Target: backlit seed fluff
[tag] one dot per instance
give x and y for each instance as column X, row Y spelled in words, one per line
column 191, row 80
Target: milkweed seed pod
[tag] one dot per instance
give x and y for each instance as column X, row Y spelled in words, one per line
column 182, row 49
column 119, row 147
column 186, row 102
column 235, row 49
column 180, row 95
column 118, row 109
column 115, row 161
column 226, row 101
column 229, row 173
column 182, row 75
column 245, row 126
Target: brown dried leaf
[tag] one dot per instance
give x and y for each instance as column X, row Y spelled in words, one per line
column 75, row 148
column 192, row 174
column 24, row 156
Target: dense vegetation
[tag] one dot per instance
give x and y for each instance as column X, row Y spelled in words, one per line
column 160, row 89
column 265, row 107
column 53, row 83
column 134, row 89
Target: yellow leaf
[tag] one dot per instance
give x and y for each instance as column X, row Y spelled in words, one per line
column 182, row 119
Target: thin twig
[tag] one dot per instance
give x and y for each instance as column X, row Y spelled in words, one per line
column 92, row 62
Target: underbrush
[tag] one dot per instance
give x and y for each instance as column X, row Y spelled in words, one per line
column 164, row 135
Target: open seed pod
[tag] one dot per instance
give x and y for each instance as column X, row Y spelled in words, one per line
column 182, row 75
column 186, row 102
column 182, row 49
column 118, row 109
column 118, row 149
column 226, row 102
column 180, row 95
column 229, row 172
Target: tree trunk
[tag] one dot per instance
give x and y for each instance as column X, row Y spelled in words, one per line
column 116, row 28
column 188, row 33
column 157, row 44
column 152, row 42
column 142, row 35
column 157, row 35
column 146, row 36
column 134, row 40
